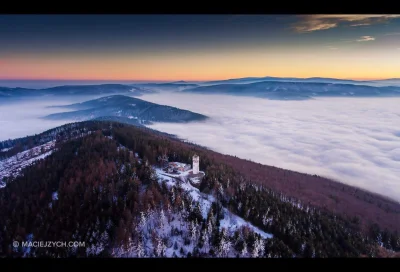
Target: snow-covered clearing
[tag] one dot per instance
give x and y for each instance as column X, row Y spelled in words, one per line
column 167, row 232
column 231, row 222
column 13, row 165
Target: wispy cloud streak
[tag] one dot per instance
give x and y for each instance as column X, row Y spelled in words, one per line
column 310, row 23
column 366, row 39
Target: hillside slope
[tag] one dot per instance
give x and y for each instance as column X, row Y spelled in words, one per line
column 91, row 189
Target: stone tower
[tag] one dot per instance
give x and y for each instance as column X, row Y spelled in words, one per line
column 196, row 162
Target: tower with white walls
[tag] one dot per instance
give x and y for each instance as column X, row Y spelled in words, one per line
column 196, row 163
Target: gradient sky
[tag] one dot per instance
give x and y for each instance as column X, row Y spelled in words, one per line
column 198, row 47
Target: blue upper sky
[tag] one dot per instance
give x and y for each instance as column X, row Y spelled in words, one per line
column 213, row 46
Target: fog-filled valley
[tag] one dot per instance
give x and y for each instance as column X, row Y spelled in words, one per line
column 352, row 140
column 20, row 118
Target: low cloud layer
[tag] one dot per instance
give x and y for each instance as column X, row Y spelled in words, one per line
column 310, row 23
column 355, row 141
column 20, row 119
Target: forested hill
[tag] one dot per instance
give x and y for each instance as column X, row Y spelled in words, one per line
column 100, row 185
column 126, row 107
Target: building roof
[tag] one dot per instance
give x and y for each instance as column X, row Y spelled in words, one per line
column 177, row 164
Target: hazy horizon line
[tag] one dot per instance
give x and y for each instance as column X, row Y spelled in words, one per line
column 187, row 80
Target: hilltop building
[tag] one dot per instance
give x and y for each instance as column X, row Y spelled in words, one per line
column 177, row 167
column 196, row 164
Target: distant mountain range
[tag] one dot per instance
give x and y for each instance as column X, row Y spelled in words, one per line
column 386, row 82
column 126, row 108
column 296, row 90
column 172, row 86
column 67, row 90
column 246, row 80
column 287, row 88
column 6, row 92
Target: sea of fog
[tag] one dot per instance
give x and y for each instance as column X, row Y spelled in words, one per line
column 352, row 140
column 23, row 118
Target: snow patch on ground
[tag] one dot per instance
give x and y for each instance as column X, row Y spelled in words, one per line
column 178, row 164
column 121, row 147
column 54, row 196
column 27, row 250
column 167, row 233
column 195, row 180
column 231, row 222
column 13, row 165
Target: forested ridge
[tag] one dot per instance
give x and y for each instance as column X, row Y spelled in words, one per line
column 105, row 196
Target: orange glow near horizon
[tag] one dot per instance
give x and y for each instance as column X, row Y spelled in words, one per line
column 203, row 66
column 199, row 48
column 184, row 79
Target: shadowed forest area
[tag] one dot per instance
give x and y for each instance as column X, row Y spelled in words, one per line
column 103, row 192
